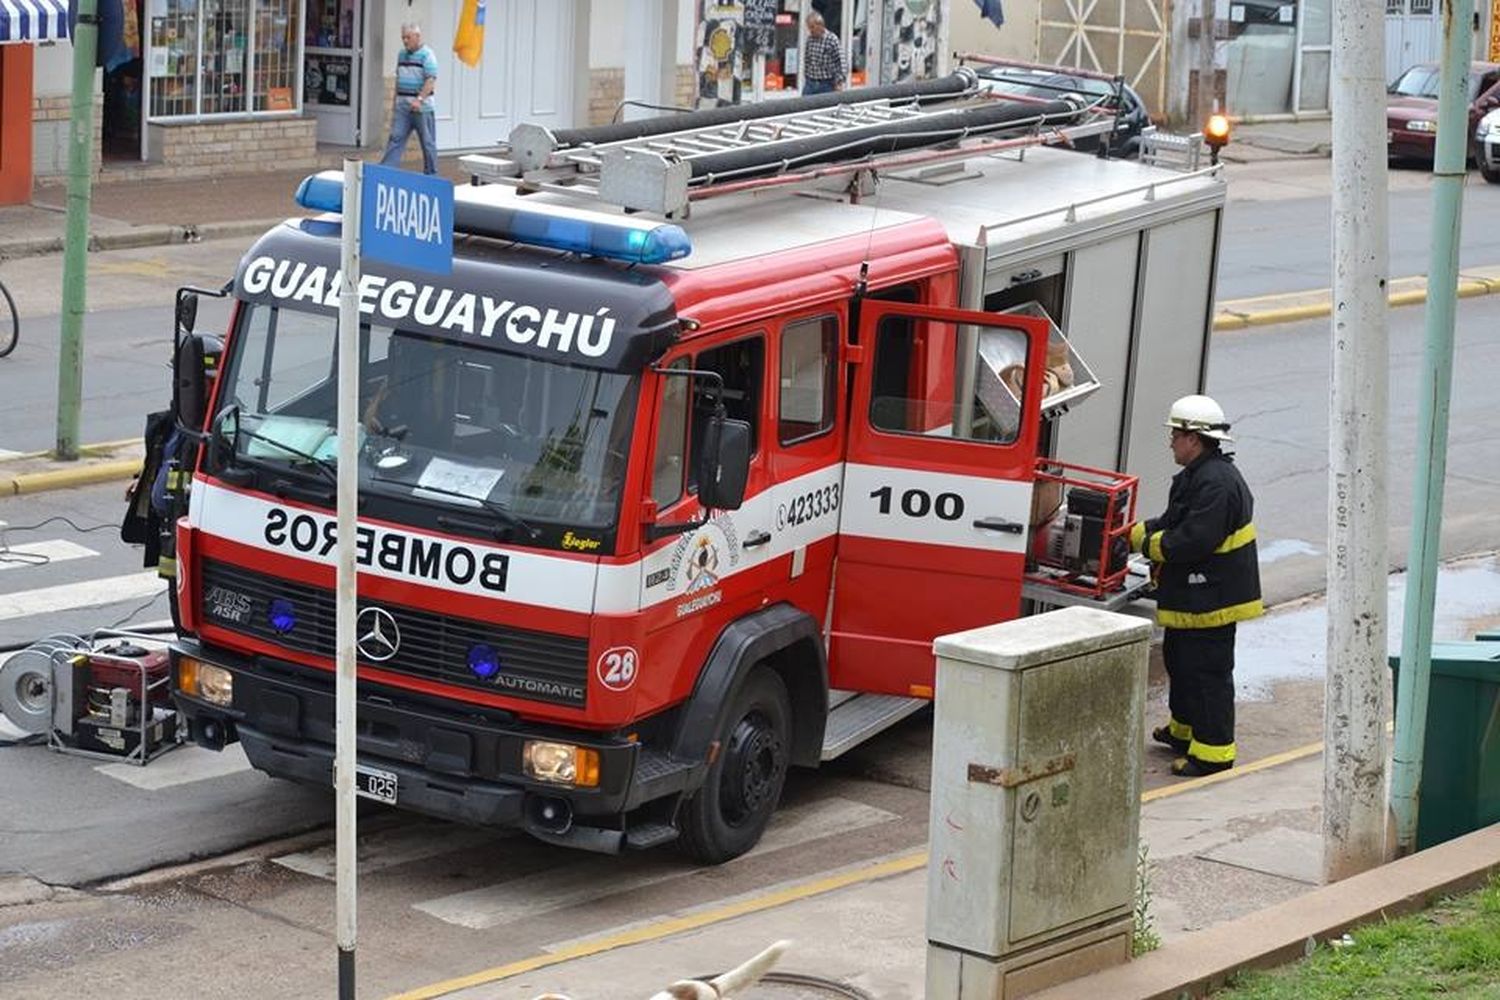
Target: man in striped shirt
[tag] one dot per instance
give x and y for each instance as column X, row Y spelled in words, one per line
column 822, row 59
column 416, row 79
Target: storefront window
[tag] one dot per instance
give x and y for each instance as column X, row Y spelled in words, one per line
column 222, row 57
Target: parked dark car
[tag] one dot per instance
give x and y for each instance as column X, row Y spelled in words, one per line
column 1411, row 108
column 1047, row 84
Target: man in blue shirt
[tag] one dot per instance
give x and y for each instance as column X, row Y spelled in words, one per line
column 416, row 79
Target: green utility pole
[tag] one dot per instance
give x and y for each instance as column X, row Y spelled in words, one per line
column 76, row 247
column 1449, row 169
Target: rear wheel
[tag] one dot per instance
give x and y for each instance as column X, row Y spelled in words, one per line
column 726, row 817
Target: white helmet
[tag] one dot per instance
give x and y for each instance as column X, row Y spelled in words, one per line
column 1200, row 415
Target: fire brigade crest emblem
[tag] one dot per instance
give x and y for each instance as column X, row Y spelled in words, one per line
column 701, row 559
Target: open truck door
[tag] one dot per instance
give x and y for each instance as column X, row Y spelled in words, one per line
column 937, row 486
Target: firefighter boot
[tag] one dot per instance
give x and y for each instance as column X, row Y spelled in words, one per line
column 1192, row 767
column 1175, row 735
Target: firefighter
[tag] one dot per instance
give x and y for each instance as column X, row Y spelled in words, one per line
column 1202, row 550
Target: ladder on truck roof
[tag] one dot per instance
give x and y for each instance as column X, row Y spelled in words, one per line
column 662, row 171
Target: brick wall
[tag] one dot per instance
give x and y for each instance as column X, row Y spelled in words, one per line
column 50, row 123
column 256, row 145
column 607, row 90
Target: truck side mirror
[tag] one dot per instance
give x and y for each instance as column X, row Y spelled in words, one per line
column 224, row 432
column 187, row 311
column 726, row 464
column 193, row 367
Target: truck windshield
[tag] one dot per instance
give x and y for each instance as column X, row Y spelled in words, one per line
column 450, row 425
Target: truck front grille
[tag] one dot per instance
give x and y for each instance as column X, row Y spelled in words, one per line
column 538, row 666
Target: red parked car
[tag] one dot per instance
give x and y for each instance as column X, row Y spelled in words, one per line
column 1411, row 109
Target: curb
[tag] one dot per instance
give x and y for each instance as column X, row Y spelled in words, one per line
column 141, row 236
column 1197, row 963
column 1292, row 307
column 62, row 479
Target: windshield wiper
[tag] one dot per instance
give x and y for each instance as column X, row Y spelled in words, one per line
column 326, row 468
column 498, row 509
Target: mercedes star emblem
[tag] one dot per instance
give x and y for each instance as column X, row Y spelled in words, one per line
column 379, row 638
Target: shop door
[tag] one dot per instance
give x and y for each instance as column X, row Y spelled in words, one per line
column 525, row 74
column 331, row 73
column 936, row 498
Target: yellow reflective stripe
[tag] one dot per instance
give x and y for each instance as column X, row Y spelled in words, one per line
column 1211, row 754
column 1137, row 535
column 175, row 480
column 1237, row 540
column 166, row 566
column 1210, row 619
column 1179, row 730
column 1153, row 548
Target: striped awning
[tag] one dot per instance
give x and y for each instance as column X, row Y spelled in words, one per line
column 33, row 20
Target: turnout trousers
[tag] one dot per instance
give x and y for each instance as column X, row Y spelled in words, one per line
column 1200, row 694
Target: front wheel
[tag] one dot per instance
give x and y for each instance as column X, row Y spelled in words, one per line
column 1489, row 173
column 726, row 817
column 10, row 322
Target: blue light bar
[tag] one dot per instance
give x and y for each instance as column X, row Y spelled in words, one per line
column 637, row 241
column 322, row 192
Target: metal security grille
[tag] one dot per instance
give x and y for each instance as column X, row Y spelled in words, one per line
column 535, row 665
column 1123, row 37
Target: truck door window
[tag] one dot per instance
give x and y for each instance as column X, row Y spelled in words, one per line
column 936, row 379
column 667, row 479
column 808, row 351
column 742, row 365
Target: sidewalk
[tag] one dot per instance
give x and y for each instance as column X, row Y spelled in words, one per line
column 152, row 213
column 1256, row 141
column 1235, row 866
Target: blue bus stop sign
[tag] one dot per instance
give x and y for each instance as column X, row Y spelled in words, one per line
column 407, row 219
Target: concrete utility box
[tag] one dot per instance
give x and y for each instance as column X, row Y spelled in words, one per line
column 1036, row 787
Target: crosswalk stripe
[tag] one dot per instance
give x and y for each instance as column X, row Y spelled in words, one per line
column 182, row 766
column 594, row 877
column 33, row 553
column 69, row 596
column 388, row 849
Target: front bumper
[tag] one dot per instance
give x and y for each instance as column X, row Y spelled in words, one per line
column 1401, row 144
column 452, row 760
column 1489, row 152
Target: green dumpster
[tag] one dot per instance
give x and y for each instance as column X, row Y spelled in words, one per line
column 1460, row 782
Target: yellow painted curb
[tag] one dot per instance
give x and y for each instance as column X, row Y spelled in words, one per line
column 62, row 479
column 1264, row 310
column 93, row 450
column 898, row 865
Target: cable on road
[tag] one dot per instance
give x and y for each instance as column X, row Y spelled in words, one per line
column 833, row 987
column 7, row 555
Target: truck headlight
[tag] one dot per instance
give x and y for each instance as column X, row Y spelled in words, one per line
column 560, row 763
column 214, row 685
column 1421, row 125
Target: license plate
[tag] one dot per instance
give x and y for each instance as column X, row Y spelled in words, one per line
column 373, row 783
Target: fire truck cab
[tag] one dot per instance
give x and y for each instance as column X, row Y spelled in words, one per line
column 639, row 530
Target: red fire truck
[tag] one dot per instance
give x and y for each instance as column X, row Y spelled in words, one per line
column 669, row 486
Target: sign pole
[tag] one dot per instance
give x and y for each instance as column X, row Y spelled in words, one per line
column 348, row 487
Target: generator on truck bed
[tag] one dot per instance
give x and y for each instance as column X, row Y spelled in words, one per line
column 656, row 503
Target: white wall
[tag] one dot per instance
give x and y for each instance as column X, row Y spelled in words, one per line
column 607, row 32
column 970, row 31
column 53, row 73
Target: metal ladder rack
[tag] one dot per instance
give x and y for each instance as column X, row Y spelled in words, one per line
column 653, row 173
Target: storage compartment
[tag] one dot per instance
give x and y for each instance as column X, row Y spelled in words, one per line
column 1002, row 370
